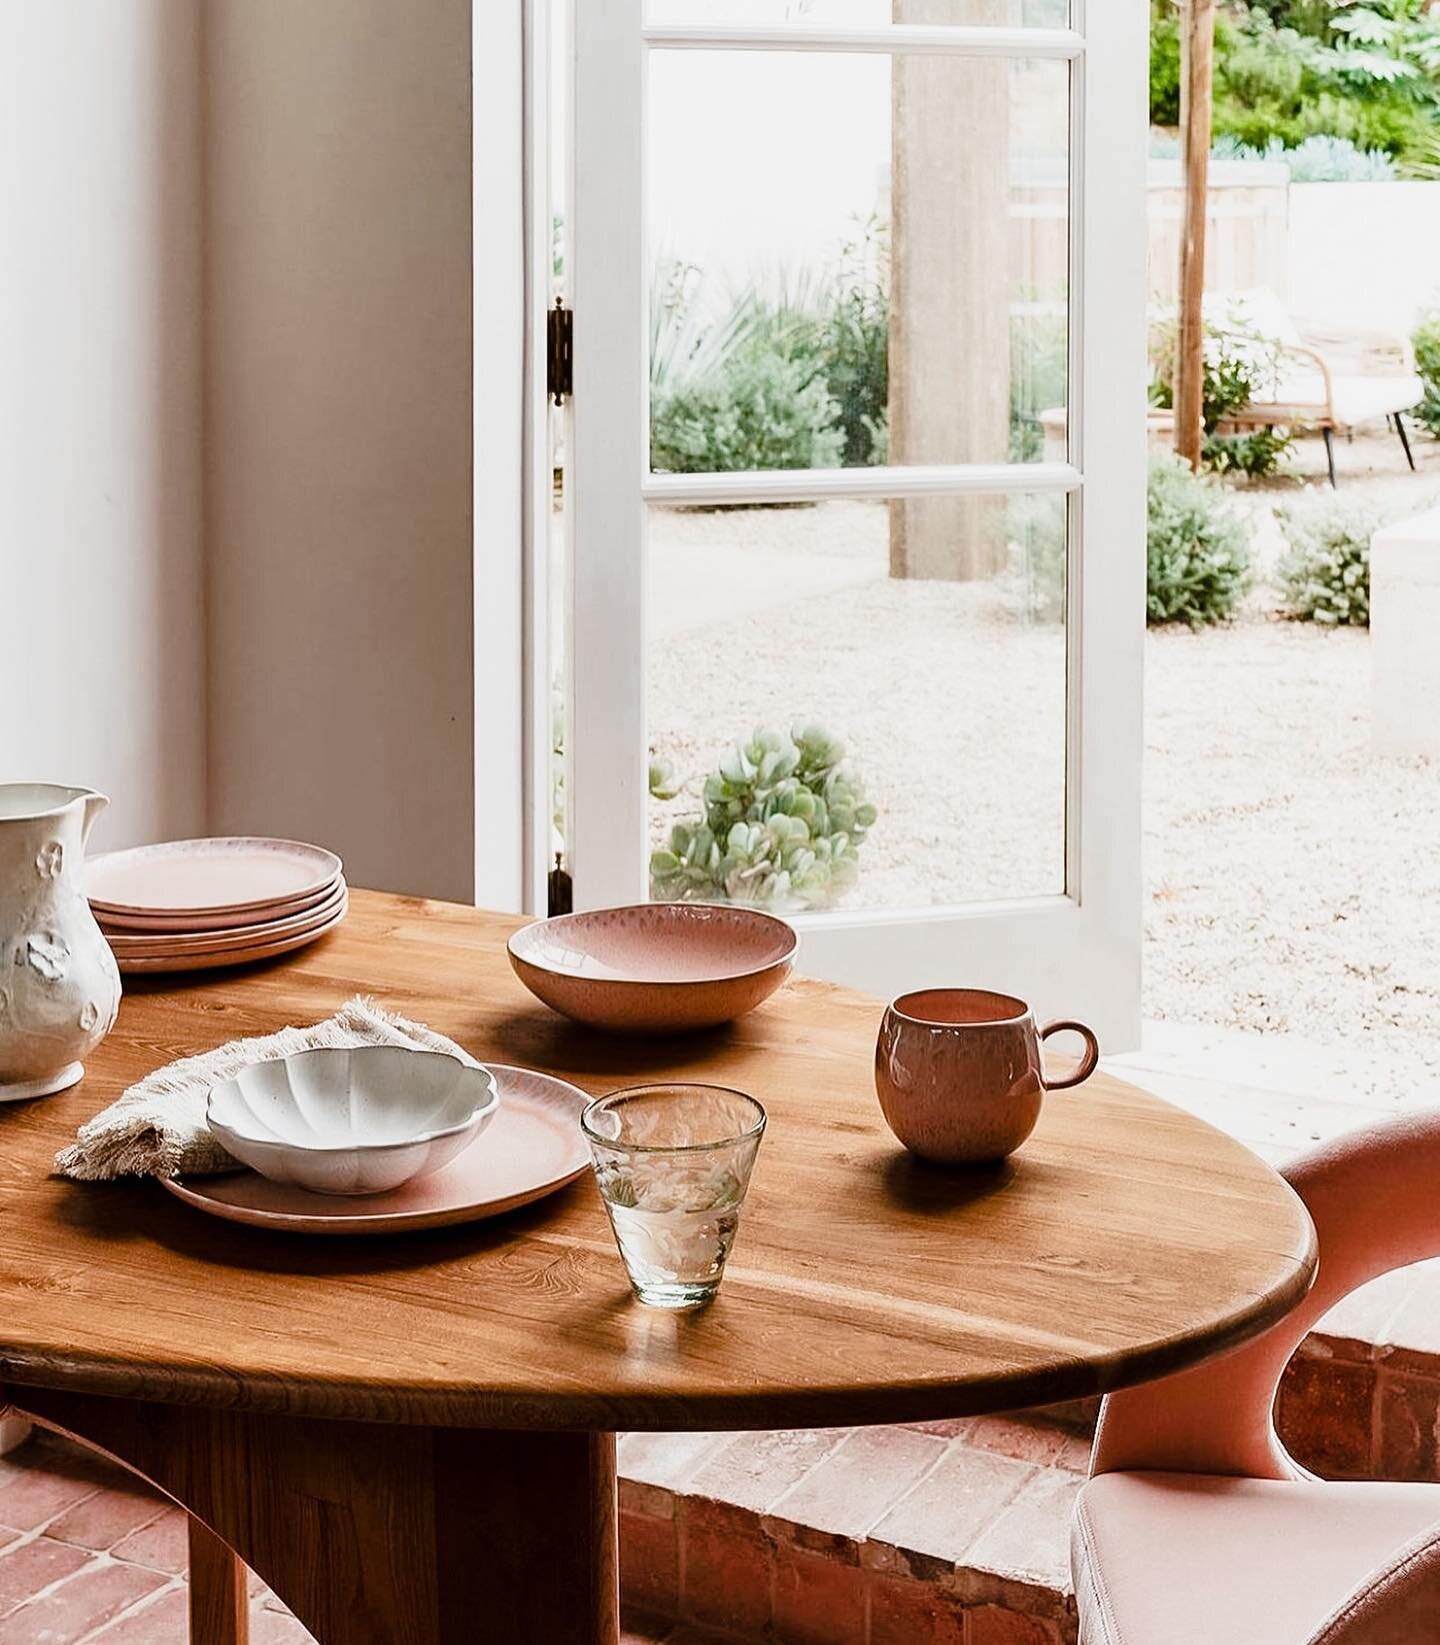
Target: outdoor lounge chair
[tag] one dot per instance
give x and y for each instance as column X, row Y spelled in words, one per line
column 1329, row 378
column 1197, row 1528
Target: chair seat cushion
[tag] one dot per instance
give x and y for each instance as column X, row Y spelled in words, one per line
column 1357, row 399
column 1194, row 1559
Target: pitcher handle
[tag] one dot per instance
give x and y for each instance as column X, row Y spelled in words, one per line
column 1087, row 1062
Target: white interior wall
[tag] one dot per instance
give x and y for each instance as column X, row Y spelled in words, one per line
column 235, row 426
column 101, row 617
column 338, row 432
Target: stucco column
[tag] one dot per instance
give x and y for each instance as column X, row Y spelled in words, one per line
column 949, row 320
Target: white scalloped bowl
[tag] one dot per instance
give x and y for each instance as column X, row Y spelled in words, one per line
column 354, row 1121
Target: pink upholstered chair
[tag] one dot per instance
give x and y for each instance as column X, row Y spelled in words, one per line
column 1197, row 1528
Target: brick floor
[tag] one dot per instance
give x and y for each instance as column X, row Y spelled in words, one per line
column 88, row 1553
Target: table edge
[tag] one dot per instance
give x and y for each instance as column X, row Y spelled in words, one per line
column 851, row 1405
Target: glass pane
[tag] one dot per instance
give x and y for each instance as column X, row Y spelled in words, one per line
column 1041, row 14
column 856, row 259
column 832, row 728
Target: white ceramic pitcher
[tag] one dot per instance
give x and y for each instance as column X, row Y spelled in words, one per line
column 59, row 988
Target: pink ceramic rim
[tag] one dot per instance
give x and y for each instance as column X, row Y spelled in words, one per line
column 658, row 982
column 1020, row 1012
column 756, row 1129
column 105, row 905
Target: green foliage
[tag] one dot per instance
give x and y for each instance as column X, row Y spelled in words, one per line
column 853, row 344
column 760, row 410
column 1251, row 73
column 1197, row 562
column 1325, row 571
column 1427, row 362
column 1289, row 70
column 1319, row 159
column 1164, row 63
column 783, row 821
column 788, row 377
column 1365, row 73
column 1241, row 364
column 740, row 388
column 1253, row 454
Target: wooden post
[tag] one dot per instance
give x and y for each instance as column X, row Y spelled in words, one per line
column 1197, row 60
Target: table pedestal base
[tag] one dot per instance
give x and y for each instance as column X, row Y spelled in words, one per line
column 372, row 1533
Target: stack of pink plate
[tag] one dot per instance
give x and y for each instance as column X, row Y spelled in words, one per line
column 190, row 905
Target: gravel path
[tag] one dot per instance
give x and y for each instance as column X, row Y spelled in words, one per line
column 1293, row 878
column 926, row 683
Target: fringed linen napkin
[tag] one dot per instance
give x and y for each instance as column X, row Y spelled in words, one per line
column 157, row 1128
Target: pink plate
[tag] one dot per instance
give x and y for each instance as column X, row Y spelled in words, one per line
column 655, row 967
column 233, row 919
column 162, row 944
column 208, row 876
column 532, row 1147
column 208, row 961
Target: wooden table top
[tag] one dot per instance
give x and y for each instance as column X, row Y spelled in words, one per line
column 1126, row 1239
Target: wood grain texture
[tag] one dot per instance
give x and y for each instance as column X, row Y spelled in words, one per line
column 1124, row 1240
column 219, row 1601
column 377, row 1535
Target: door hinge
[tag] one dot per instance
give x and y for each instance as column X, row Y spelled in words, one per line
column 560, row 343
column 561, row 892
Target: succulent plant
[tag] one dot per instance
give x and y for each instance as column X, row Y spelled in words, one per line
column 663, row 784
column 784, row 818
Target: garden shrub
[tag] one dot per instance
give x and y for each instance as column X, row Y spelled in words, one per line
column 1327, row 159
column 794, row 376
column 1165, row 76
column 738, row 384
column 755, row 410
column 1289, row 70
column 1325, row 572
column 1197, row 560
column 1320, row 159
column 1240, row 364
column 783, row 821
column 853, row 345
column 1426, row 342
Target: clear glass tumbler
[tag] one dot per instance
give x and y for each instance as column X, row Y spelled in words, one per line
column 673, row 1163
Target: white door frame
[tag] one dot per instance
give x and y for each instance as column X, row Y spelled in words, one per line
column 1078, row 953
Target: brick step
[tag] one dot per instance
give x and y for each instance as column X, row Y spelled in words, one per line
column 958, row 1533
column 948, row 1532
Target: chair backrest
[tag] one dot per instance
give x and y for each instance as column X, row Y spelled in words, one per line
column 1397, row 1605
column 1374, row 1196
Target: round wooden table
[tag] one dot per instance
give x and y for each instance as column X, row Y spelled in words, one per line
column 412, row 1439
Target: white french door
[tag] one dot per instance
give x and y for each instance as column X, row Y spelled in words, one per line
column 855, row 444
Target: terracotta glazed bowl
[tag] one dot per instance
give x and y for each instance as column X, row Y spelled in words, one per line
column 655, row 968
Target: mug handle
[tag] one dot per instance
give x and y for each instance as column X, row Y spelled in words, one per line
column 1087, row 1062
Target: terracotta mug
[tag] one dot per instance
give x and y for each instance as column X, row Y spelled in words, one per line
column 959, row 1072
